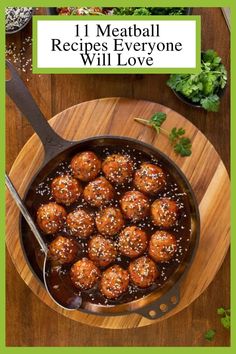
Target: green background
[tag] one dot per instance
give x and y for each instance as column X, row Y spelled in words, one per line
column 171, row 3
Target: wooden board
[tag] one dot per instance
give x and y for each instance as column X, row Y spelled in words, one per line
column 204, row 169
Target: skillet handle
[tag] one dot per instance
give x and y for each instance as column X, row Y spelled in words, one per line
column 162, row 306
column 21, row 96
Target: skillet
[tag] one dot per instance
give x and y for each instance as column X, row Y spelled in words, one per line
column 57, row 149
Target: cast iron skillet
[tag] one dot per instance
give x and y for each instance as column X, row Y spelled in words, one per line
column 56, row 150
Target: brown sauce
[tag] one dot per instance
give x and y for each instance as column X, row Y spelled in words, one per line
column 182, row 231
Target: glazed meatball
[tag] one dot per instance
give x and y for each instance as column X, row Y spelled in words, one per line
column 134, row 205
column 50, row 217
column 66, row 189
column 164, row 212
column 132, row 241
column 86, row 166
column 80, row 223
column 143, row 272
column 149, row 178
column 99, row 192
column 62, row 250
column 109, row 221
column 84, row 274
column 118, row 168
column 101, row 251
column 114, row 282
column 162, row 246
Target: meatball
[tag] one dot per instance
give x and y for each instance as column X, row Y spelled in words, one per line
column 84, row 274
column 149, row 178
column 101, row 251
column 132, row 241
column 99, row 192
column 114, row 282
column 162, row 246
column 118, row 168
column 50, row 217
column 62, row 250
column 80, row 223
column 66, row 189
column 86, row 166
column 143, row 272
column 109, row 221
column 134, row 205
column 164, row 212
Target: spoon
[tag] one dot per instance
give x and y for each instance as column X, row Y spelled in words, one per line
column 62, row 294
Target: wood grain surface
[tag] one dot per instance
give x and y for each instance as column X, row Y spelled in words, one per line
column 55, row 93
column 114, row 116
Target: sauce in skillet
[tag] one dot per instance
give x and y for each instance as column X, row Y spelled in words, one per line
column 182, row 230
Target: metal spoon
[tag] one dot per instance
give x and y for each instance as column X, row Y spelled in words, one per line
column 64, row 295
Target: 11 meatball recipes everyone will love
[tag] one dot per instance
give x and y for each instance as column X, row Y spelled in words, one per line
column 115, row 221
column 99, row 52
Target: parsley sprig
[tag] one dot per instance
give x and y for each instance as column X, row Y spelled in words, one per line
column 203, row 88
column 210, row 334
column 181, row 144
column 225, row 319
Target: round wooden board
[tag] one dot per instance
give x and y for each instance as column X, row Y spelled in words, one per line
column 204, row 169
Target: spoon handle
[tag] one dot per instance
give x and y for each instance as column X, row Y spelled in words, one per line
column 25, row 213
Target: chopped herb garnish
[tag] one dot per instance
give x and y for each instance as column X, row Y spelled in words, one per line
column 143, row 11
column 202, row 88
column 181, row 144
column 157, row 120
column 225, row 320
column 210, row 334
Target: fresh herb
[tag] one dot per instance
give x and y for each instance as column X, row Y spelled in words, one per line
column 167, row 10
column 202, row 88
column 144, row 11
column 210, row 334
column 131, row 11
column 157, row 120
column 225, row 319
column 141, row 11
column 181, row 144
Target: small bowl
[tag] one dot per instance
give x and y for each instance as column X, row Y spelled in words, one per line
column 23, row 26
column 184, row 99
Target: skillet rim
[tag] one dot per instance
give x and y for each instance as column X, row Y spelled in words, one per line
column 120, row 308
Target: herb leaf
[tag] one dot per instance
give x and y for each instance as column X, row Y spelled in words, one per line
column 211, row 103
column 134, row 11
column 175, row 134
column 181, row 144
column 225, row 321
column 210, row 334
column 204, row 87
column 157, row 120
column 220, row 311
column 183, row 147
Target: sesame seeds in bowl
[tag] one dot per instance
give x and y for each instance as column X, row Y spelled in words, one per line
column 16, row 18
